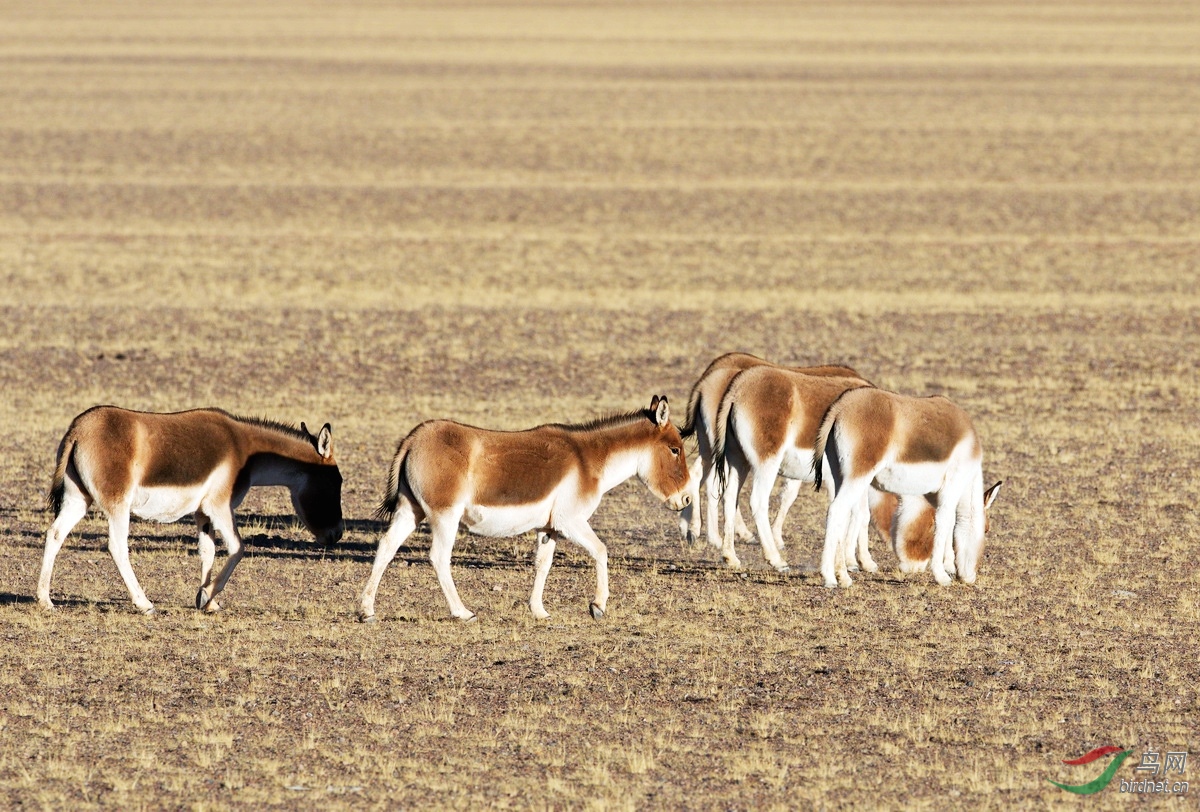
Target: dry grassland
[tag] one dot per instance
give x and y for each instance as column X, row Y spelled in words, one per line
column 517, row 213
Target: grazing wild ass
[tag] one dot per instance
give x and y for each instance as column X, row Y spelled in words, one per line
column 907, row 525
column 504, row 483
column 704, row 401
column 767, row 426
column 165, row 466
column 924, row 450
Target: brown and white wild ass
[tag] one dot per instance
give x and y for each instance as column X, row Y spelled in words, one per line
column 504, row 483
column 926, row 451
column 907, row 525
column 767, row 426
column 164, row 466
column 704, row 401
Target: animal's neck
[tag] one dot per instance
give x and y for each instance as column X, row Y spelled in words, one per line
column 276, row 458
column 267, row 468
column 614, row 454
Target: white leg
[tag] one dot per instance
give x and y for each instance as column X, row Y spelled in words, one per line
column 689, row 517
column 969, row 531
column 445, row 529
column 118, row 548
column 864, row 537
column 223, row 523
column 841, row 520
column 583, row 535
column 760, row 496
column 74, row 507
column 542, row 562
column 404, row 522
column 787, row 498
column 207, row 548
column 712, row 493
column 943, row 534
column 733, row 484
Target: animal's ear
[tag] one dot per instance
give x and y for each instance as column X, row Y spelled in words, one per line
column 662, row 412
column 990, row 494
column 325, row 442
column 304, row 429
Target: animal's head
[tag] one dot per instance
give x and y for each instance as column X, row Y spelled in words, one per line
column 665, row 471
column 911, row 530
column 318, row 499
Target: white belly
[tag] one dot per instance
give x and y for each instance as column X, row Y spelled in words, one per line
column 510, row 520
column 165, row 504
column 911, row 478
column 797, row 464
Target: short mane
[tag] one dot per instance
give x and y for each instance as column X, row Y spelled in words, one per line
column 267, row 423
column 607, row 422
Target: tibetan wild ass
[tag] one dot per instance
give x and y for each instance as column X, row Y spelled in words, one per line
column 766, row 426
column 165, row 466
column 703, row 404
column 913, row 447
column 504, row 483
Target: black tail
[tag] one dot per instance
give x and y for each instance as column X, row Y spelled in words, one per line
column 391, row 499
column 58, row 485
column 828, row 425
column 720, row 452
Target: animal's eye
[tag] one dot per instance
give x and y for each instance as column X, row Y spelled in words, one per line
column 674, row 451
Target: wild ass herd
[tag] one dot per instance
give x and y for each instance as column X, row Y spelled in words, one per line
column 912, row 466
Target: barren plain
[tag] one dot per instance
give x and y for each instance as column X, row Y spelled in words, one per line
column 515, row 213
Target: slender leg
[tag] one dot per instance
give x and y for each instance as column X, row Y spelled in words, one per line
column 943, row 536
column 74, row 508
column 208, row 552
column 445, row 529
column 838, row 525
column 118, row 548
column 733, row 484
column 404, row 522
column 223, row 523
column 864, row 537
column 760, row 497
column 712, row 495
column 689, row 517
column 542, row 562
column 582, row 534
column 787, row 498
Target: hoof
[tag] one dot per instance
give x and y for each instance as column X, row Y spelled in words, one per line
column 470, row 618
column 212, row 608
column 47, row 607
column 201, row 598
column 149, row 612
column 734, row 563
column 691, row 537
column 871, row 567
column 831, row 584
column 596, row 611
column 367, row 619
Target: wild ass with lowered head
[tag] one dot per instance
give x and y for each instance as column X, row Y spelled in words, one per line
column 907, row 525
column 925, row 448
column 504, row 483
column 767, row 426
column 165, row 466
column 703, row 403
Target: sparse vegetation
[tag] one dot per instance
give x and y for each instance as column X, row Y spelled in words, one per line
column 517, row 214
